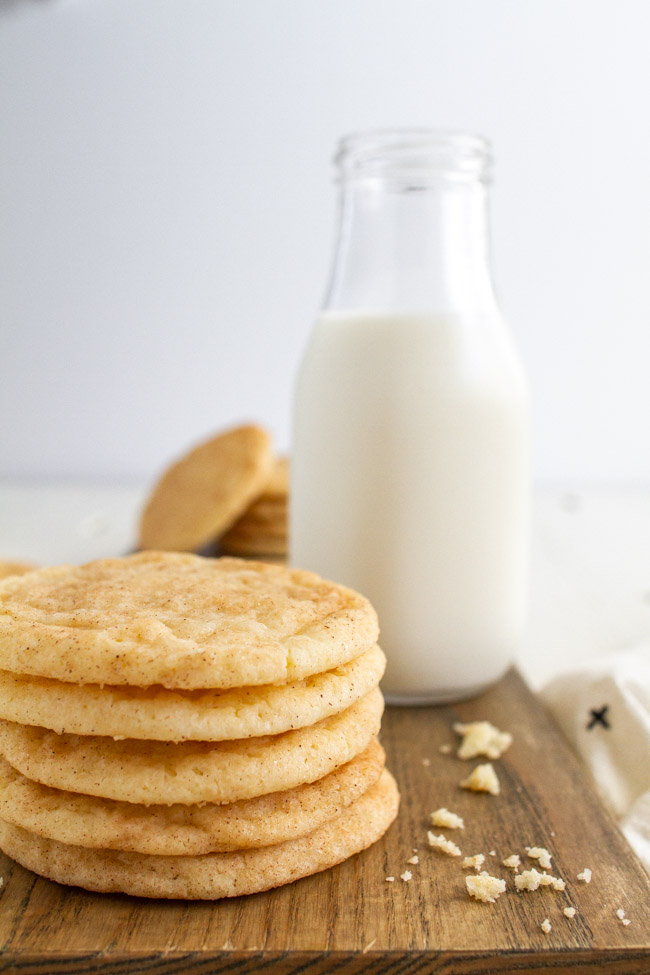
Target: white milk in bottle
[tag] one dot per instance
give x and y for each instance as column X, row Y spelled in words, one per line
column 410, row 436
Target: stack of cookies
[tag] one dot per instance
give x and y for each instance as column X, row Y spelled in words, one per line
column 174, row 726
column 262, row 530
column 230, row 490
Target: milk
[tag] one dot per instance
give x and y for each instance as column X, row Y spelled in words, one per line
column 410, row 484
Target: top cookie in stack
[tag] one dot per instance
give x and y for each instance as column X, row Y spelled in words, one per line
column 229, row 489
column 174, row 726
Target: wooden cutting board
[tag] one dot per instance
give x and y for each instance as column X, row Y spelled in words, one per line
column 349, row 919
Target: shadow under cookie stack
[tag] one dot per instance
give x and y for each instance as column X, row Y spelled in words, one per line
column 175, row 726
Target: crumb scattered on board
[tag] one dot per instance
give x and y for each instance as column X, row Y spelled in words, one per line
column 474, row 863
column 443, row 844
column 541, row 854
column 482, row 779
column 484, row 887
column 532, row 879
column 446, row 820
column 482, row 738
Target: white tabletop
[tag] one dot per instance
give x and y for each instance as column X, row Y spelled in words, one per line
column 590, row 560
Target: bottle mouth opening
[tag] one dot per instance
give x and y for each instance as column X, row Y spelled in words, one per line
column 417, row 156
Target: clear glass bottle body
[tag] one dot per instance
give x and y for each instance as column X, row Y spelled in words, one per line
column 410, row 474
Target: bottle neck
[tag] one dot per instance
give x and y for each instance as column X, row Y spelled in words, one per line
column 412, row 248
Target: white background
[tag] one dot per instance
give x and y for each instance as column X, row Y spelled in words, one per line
column 166, row 210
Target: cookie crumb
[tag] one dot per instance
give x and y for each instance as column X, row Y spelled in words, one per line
column 390, row 880
column 528, row 880
column 546, row 926
column 447, row 820
column 585, row 875
column 406, row 876
column 625, row 921
column 569, row 912
column 492, row 853
column 484, row 887
column 414, row 859
column 426, row 762
column 620, row 914
column 513, row 862
column 445, row 749
column 475, row 862
column 541, row 854
column 482, row 779
column 532, row 879
column 443, row 844
column 482, row 738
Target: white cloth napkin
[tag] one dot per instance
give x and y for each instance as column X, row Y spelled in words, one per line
column 604, row 711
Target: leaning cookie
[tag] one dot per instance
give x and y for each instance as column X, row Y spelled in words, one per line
column 206, row 490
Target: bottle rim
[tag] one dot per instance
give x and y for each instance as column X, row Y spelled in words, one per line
column 413, row 155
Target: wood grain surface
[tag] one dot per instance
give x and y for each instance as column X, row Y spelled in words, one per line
column 349, row 919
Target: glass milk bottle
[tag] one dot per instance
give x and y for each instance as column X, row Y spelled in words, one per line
column 410, row 478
